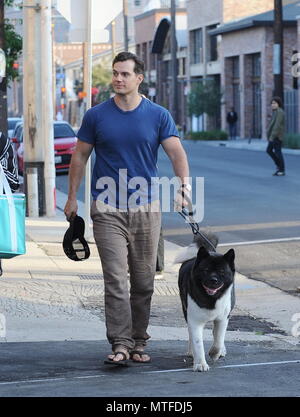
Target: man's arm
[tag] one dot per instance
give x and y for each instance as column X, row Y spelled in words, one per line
column 78, row 163
column 178, row 158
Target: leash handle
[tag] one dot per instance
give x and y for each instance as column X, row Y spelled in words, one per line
column 187, row 216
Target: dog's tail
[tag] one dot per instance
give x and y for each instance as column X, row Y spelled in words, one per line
column 209, row 240
column 190, row 251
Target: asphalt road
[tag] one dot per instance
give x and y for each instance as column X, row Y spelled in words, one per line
column 242, row 200
column 66, row 369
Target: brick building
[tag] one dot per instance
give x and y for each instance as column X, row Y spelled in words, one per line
column 217, row 50
column 246, row 56
column 152, row 37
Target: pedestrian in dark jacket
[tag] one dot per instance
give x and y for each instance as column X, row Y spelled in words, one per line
column 232, row 119
column 9, row 165
column 275, row 136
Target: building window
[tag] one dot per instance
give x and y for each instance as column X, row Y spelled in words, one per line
column 151, row 57
column 138, row 50
column 235, row 103
column 235, row 68
column 256, row 65
column 183, row 67
column 144, row 54
column 196, row 42
column 137, row 2
column 256, row 96
column 212, row 45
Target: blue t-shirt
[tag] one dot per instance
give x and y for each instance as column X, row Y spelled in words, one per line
column 126, row 146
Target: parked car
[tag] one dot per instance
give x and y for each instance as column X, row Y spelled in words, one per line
column 64, row 145
column 11, row 124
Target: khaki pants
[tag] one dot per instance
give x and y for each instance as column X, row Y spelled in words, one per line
column 127, row 240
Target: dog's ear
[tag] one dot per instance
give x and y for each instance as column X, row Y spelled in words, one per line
column 202, row 254
column 229, row 257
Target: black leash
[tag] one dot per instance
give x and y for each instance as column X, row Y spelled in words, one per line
column 187, row 215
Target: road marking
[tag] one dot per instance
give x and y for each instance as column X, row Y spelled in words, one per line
column 27, row 381
column 235, row 227
column 242, row 365
column 255, row 242
column 31, row 381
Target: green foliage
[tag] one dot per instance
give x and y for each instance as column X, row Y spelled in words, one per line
column 101, row 76
column 208, row 135
column 12, row 49
column 204, row 98
column 104, row 93
column 12, row 46
column 292, row 141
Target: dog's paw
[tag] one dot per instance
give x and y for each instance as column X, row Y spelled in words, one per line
column 216, row 353
column 200, row 367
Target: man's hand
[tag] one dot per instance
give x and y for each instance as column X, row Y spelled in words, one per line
column 182, row 200
column 71, row 209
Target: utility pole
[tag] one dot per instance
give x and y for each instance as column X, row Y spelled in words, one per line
column 278, row 50
column 113, row 39
column 33, row 144
column 47, row 106
column 174, row 68
column 3, row 83
column 125, row 16
column 87, row 80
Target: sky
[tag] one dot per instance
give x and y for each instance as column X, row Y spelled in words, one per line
column 103, row 10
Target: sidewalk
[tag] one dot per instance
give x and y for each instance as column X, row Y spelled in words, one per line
column 44, row 296
column 250, row 144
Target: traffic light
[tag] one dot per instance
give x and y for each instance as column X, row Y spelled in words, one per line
column 63, row 91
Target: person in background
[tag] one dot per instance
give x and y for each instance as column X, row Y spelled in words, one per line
column 232, row 119
column 275, row 136
column 10, row 167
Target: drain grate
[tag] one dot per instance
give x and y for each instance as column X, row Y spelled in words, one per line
column 91, row 276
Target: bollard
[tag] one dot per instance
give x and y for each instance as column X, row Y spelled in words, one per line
column 32, row 190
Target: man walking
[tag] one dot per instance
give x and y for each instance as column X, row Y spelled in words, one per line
column 275, row 136
column 126, row 132
column 232, row 118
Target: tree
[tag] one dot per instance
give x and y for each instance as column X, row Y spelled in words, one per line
column 101, row 76
column 204, row 98
column 11, row 43
column 101, row 79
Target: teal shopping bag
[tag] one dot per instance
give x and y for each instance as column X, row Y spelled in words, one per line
column 12, row 220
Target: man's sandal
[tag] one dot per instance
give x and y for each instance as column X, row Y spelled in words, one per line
column 122, row 362
column 140, row 353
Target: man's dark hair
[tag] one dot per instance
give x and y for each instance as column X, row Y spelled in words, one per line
column 278, row 101
column 139, row 66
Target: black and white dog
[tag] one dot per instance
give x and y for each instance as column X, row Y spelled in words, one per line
column 206, row 286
